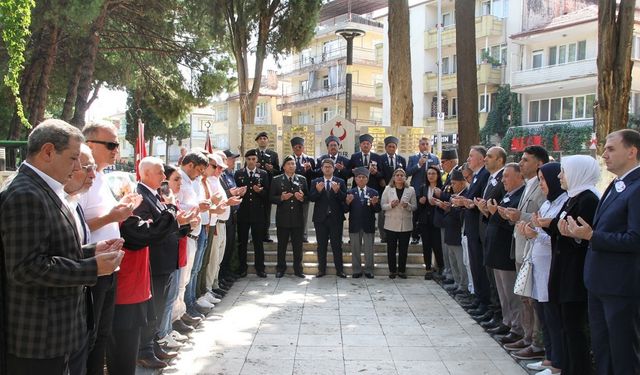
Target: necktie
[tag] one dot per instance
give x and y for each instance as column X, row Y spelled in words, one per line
column 366, row 160
column 362, row 194
column 251, row 175
column 392, row 164
column 291, row 180
column 333, row 158
column 328, row 183
column 612, row 192
column 82, row 224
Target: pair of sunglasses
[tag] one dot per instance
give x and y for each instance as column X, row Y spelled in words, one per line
column 109, row 145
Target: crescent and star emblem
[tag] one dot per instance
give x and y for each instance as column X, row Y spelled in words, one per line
column 344, row 131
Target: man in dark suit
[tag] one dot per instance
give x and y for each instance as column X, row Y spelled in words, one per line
column 255, row 200
column 305, row 166
column 227, row 180
column 417, row 170
column 479, row 181
column 449, row 163
column 46, row 270
column 497, row 257
column 268, row 161
column 390, row 161
column 328, row 193
column 613, row 260
column 342, row 168
column 362, row 203
column 289, row 192
column 372, row 161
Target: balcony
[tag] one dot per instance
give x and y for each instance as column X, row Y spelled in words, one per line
column 573, row 74
column 379, row 91
column 487, row 75
column 360, row 92
column 325, row 59
column 485, row 26
column 450, row 124
column 349, row 20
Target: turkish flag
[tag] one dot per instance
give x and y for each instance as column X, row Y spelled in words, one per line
column 207, row 143
column 141, row 147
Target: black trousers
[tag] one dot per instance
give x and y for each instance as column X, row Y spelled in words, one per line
column 229, row 247
column 104, row 301
column 549, row 314
column 267, row 221
column 615, row 333
column 30, row 366
column 329, row 230
column 397, row 241
column 257, row 232
column 159, row 290
column 575, row 340
column 416, row 232
column 295, row 234
column 122, row 351
column 481, row 286
column 494, row 298
column 431, row 242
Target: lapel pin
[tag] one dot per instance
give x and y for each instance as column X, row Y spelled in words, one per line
column 620, row 186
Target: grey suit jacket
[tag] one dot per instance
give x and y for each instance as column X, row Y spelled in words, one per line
column 46, row 270
column 529, row 204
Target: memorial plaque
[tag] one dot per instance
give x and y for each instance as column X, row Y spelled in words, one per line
column 409, row 138
column 252, row 130
column 307, row 132
column 345, row 130
column 379, row 133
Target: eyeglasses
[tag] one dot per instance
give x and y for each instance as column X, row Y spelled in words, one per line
column 109, row 145
column 89, row 168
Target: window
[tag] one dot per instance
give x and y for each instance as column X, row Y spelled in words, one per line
column 503, row 54
column 544, row 110
column 582, row 50
column 562, row 54
column 588, row 106
column 536, row 59
column 375, row 114
column 447, row 19
column 553, row 55
column 572, row 53
column 567, row 53
column 261, row 111
column 485, row 8
column 325, row 82
column 304, row 86
column 556, row 107
column 579, row 107
column 445, row 65
column 303, row 118
column 454, row 107
column 534, row 108
column 379, row 52
column 221, row 113
column 565, row 108
column 483, row 105
column 327, row 114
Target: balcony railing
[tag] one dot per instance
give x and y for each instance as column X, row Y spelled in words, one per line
column 347, row 18
column 487, row 75
column 485, row 26
column 323, row 59
column 450, row 124
column 359, row 91
column 554, row 73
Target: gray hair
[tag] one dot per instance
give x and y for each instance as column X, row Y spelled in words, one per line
column 147, row 162
column 56, row 132
column 514, row 166
column 91, row 129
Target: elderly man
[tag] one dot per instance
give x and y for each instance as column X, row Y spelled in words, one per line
column 51, row 262
column 305, row 166
column 268, row 161
column 342, row 167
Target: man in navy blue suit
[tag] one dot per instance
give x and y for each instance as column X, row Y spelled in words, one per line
column 390, row 162
column 417, row 169
column 305, row 166
column 372, row 161
column 342, row 168
column 612, row 265
column 328, row 192
column 362, row 203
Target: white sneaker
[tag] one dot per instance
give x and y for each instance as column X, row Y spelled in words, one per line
column 177, row 336
column 204, row 304
column 538, row 366
column 548, row 372
column 169, row 342
column 210, row 298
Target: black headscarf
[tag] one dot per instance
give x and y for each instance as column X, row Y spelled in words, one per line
column 550, row 171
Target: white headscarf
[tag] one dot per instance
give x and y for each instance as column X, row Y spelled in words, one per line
column 582, row 173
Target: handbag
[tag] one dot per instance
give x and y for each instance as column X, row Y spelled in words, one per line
column 524, row 280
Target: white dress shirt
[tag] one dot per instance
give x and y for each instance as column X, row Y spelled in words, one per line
column 97, row 202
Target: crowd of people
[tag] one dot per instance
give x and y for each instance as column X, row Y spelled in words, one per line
column 531, row 249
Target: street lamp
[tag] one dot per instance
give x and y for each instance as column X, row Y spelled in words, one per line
column 349, row 34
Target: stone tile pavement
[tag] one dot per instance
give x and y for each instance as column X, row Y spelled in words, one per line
column 340, row 326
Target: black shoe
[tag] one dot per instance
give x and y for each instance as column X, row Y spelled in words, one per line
column 217, row 295
column 472, row 306
column 510, row 338
column 480, row 310
column 261, row 274
column 368, row 275
column 181, row 327
column 448, row 281
column 161, row 354
column 219, row 291
column 428, row 276
column 484, row 317
column 500, row 330
column 320, row 274
column 189, row 320
column 224, row 286
column 299, row 274
column 357, row 275
column 341, row 275
column 493, row 323
column 150, row 361
column 415, row 241
column 279, row 274
column 267, row 240
column 228, row 280
column 392, row 275
column 402, row 275
column 243, row 274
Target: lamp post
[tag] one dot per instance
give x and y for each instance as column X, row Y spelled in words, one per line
column 349, row 34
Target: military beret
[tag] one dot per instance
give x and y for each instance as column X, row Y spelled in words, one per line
column 262, row 134
column 231, row 154
column 251, row 152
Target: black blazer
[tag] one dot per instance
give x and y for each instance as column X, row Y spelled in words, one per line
column 329, row 205
column 400, row 161
column 311, row 173
column 253, row 204
column 475, row 190
column 344, row 174
column 453, row 225
column 494, row 190
column 163, row 251
column 375, row 181
column 567, row 260
column 271, row 157
column 289, row 212
column 362, row 214
column 613, row 260
column 497, row 249
column 426, row 212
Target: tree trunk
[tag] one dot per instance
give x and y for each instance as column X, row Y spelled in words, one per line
column 614, row 66
column 87, row 66
column 400, row 65
column 467, row 82
column 150, row 148
column 39, row 99
column 72, row 92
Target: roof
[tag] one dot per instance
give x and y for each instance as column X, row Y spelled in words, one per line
column 339, row 7
column 583, row 15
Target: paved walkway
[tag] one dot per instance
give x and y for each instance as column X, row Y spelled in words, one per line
column 340, row 326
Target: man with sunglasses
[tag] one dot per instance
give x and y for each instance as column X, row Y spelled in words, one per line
column 103, row 214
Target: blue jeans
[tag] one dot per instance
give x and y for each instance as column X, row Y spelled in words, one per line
column 190, row 292
column 165, row 327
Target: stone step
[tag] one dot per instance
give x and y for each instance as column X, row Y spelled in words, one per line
column 346, row 246
column 379, row 269
column 311, row 257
